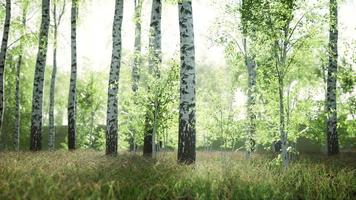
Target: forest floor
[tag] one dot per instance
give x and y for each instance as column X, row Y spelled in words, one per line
column 86, row 174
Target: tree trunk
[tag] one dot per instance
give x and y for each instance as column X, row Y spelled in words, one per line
column 155, row 54
column 137, row 56
column 51, row 133
column 18, row 77
column 112, row 108
column 187, row 131
column 251, row 101
column 36, row 120
column 282, row 132
column 251, row 93
column 147, row 140
column 17, row 106
column 155, row 60
column 330, row 107
column 5, row 38
column 136, row 63
column 154, row 129
column 72, row 100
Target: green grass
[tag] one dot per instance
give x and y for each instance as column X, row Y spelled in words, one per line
column 91, row 175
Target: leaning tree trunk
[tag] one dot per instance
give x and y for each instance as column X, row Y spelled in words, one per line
column 5, row 38
column 330, row 107
column 155, row 59
column 37, row 100
column 72, row 100
column 187, row 131
column 112, row 107
column 18, row 77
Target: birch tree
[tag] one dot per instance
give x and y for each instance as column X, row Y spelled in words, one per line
column 72, row 99
column 330, row 103
column 16, row 138
column 137, row 62
column 187, row 130
column 3, row 50
column 155, row 59
column 112, row 106
column 137, row 53
column 37, row 99
column 56, row 22
column 251, row 91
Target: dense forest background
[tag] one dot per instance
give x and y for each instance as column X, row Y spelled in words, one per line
column 221, row 77
column 178, row 99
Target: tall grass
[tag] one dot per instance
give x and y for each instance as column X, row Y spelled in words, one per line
column 91, row 175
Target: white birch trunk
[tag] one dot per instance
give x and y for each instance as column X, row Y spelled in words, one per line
column 137, row 56
column 52, row 128
column 331, row 101
column 37, row 100
column 251, row 100
column 112, row 107
column 51, row 133
column 187, row 131
column 18, row 77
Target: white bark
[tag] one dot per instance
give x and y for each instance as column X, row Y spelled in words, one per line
column 187, row 132
column 36, row 120
column 52, row 130
column 112, row 107
column 331, row 101
column 18, row 77
column 137, row 56
column 155, row 59
column 251, row 100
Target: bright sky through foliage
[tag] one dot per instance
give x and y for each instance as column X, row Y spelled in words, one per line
column 95, row 28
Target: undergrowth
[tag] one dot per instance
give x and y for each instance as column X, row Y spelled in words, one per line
column 85, row 174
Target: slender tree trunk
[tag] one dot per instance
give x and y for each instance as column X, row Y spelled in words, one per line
column 147, row 140
column 51, row 133
column 137, row 56
column 283, row 134
column 52, row 129
column 18, row 77
column 154, row 129
column 112, row 108
column 17, row 106
column 136, row 63
column 155, row 59
column 72, row 101
column 36, row 120
column 187, row 131
column 5, row 38
column 330, row 107
column 251, row 100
